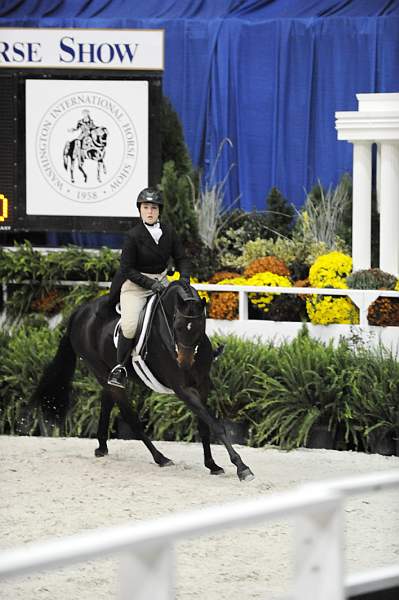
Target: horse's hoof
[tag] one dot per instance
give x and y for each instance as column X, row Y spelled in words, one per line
column 166, row 463
column 246, row 475
column 218, row 471
column 99, row 452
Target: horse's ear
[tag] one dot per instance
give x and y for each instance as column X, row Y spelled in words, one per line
column 203, row 301
column 180, row 302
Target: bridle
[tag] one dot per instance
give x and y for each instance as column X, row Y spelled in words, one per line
column 193, row 347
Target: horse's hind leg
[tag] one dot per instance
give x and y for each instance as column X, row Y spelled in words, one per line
column 132, row 419
column 210, row 464
column 107, row 402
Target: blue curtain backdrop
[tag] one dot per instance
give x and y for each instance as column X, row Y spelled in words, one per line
column 267, row 74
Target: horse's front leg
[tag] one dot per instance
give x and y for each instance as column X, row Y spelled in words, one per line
column 99, row 171
column 107, row 402
column 210, row 464
column 71, row 169
column 192, row 398
column 80, row 164
column 132, row 419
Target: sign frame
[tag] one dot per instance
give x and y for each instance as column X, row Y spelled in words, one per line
column 15, row 168
column 124, row 49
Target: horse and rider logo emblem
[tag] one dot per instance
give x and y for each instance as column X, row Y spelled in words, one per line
column 87, row 147
column 90, row 145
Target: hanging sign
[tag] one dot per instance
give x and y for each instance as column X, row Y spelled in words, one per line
column 86, row 147
column 137, row 49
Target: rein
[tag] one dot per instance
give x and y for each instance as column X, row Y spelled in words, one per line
column 171, row 333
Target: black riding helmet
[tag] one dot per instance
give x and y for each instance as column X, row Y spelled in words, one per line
column 150, row 195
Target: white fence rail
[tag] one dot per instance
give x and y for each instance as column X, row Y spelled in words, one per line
column 362, row 298
column 147, row 550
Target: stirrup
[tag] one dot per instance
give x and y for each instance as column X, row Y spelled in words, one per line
column 118, row 377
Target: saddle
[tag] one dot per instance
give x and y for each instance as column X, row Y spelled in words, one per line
column 87, row 144
column 138, row 354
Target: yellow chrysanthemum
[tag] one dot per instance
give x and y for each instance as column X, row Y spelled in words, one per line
column 260, row 300
column 176, row 276
column 330, row 270
column 328, row 310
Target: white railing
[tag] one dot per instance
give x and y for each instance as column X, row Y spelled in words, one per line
column 362, row 298
column 146, row 550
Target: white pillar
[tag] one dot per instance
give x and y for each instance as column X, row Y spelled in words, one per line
column 361, row 215
column 147, row 574
column 318, row 557
column 389, row 208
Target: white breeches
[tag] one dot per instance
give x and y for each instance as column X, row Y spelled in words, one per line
column 133, row 298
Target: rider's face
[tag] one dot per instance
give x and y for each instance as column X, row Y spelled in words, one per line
column 149, row 212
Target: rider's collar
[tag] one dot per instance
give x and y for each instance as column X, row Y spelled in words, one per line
column 155, row 225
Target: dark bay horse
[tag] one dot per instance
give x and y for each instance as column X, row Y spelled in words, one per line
column 178, row 353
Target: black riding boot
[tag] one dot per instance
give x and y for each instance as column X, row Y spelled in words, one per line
column 118, row 375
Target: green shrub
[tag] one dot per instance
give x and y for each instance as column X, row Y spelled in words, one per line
column 172, row 137
column 374, row 398
column 178, row 202
column 300, row 389
column 280, row 393
column 279, row 215
column 371, row 279
column 27, row 351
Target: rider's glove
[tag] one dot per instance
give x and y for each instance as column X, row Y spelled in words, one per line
column 157, row 287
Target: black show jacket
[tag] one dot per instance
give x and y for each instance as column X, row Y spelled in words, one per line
column 141, row 254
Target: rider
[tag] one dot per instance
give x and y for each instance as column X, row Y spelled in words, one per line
column 146, row 252
column 85, row 124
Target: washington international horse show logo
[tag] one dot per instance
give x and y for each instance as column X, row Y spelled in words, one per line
column 87, row 147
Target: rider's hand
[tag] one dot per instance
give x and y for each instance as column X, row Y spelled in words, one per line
column 157, row 287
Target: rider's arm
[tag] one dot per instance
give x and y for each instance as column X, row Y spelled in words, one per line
column 128, row 265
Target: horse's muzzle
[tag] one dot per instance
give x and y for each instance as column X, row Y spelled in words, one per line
column 185, row 356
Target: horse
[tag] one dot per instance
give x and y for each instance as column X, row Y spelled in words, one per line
column 91, row 146
column 178, row 353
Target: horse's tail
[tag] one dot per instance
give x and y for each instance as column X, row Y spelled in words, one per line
column 67, row 148
column 52, row 395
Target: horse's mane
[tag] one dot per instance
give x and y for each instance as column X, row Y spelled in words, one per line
column 184, row 289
